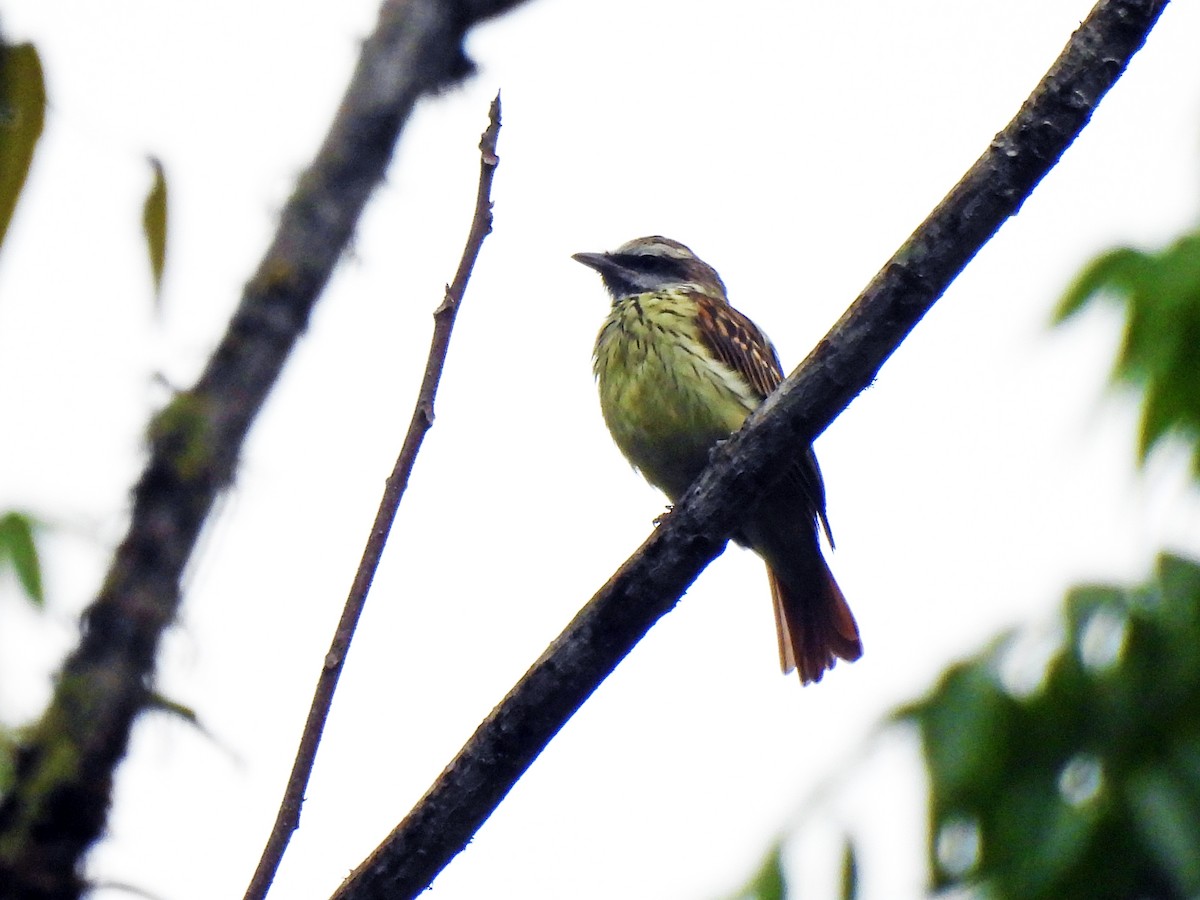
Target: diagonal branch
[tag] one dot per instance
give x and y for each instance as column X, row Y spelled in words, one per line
column 288, row 818
column 58, row 802
column 844, row 363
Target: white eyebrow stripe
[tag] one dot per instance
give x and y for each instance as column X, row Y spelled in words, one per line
column 656, row 246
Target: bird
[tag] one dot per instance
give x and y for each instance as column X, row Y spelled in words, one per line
column 679, row 370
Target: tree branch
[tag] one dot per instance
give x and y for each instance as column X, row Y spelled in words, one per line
column 288, row 818
column 843, row 364
column 59, row 800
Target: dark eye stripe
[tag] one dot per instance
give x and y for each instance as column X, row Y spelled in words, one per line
column 655, row 265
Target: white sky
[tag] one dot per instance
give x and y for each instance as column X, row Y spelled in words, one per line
column 794, row 146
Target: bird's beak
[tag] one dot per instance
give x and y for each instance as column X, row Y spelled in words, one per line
column 598, row 261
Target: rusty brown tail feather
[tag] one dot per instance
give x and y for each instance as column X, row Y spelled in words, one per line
column 815, row 627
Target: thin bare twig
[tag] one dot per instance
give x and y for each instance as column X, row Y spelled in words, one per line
column 288, row 818
column 649, row 584
column 58, row 802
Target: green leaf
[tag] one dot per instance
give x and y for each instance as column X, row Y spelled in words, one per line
column 1158, row 418
column 17, row 549
column 154, row 226
column 849, row 872
column 1179, row 581
column 173, row 708
column 8, row 749
column 1116, row 272
column 965, row 725
column 22, row 113
column 1160, row 351
column 182, row 711
column 1035, row 839
column 1169, row 825
column 768, row 882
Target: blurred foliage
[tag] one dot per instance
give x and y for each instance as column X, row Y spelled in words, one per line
column 768, row 882
column 22, row 112
column 8, row 745
column 154, row 227
column 1088, row 787
column 849, row 872
column 1160, row 353
column 18, row 551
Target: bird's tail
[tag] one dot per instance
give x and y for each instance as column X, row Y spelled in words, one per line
column 814, row 622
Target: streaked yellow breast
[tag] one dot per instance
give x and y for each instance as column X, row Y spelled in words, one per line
column 665, row 399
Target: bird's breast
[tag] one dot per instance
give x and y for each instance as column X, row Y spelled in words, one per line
column 665, row 398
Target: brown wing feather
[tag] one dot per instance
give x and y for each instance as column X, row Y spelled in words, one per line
column 740, row 344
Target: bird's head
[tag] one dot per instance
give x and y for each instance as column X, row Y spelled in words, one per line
column 653, row 263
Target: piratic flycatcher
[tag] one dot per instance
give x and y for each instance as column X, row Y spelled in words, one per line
column 679, row 370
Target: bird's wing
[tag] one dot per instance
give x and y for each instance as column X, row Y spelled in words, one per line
column 736, row 341
column 740, row 344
